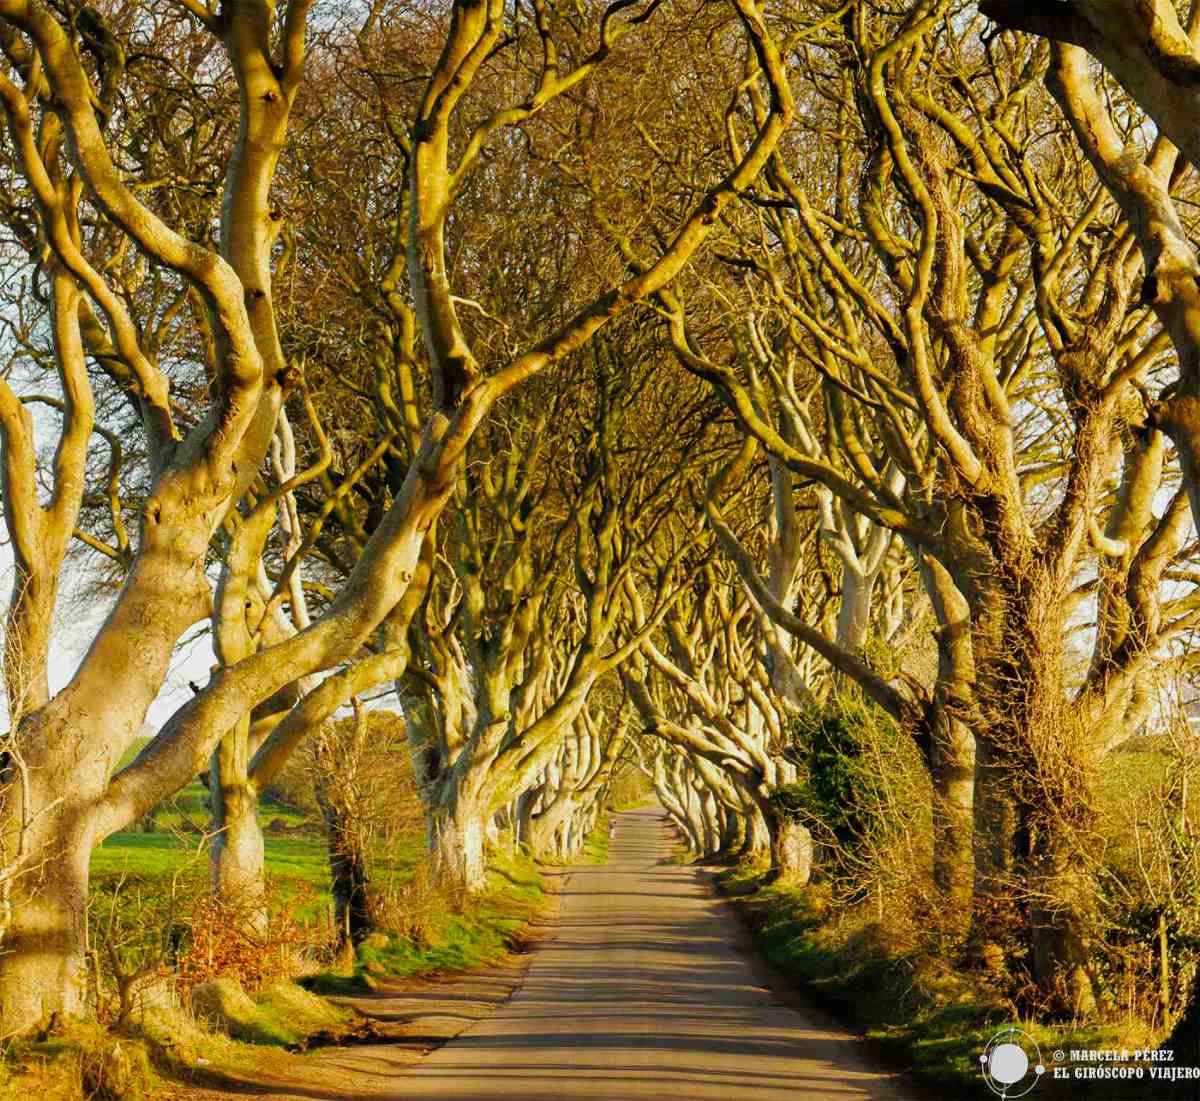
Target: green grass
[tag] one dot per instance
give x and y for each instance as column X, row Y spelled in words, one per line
column 457, row 935
column 132, row 901
column 297, row 867
column 595, row 848
column 452, row 935
column 478, row 937
column 448, row 935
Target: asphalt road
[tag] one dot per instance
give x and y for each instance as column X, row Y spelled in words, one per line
column 647, row 990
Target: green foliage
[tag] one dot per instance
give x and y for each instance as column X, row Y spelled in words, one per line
column 839, row 778
column 453, row 937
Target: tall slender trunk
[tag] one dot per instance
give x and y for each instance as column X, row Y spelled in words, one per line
column 238, row 856
column 349, row 880
column 709, row 818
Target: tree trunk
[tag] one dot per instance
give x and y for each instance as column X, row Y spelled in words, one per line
column 952, row 768
column 1032, row 810
column 43, row 960
column 1059, row 919
column 238, row 857
column 952, row 756
column 456, row 845
column 709, row 818
column 757, row 838
column 349, row 884
column 854, row 614
column 733, row 832
column 791, row 850
column 527, row 805
column 348, row 877
column 995, row 824
column 546, row 828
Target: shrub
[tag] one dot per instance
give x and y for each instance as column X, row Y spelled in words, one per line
column 863, row 791
column 223, row 942
column 837, row 748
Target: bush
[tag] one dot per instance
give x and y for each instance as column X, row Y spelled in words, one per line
column 864, row 792
column 841, row 793
column 222, row 941
column 156, row 938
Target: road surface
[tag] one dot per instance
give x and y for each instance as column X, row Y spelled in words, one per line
column 646, row 991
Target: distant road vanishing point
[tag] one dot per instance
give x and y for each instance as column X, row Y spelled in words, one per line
column 646, row 991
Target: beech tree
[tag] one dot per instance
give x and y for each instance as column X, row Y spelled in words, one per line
column 513, row 645
column 562, row 807
column 963, row 294
column 62, row 83
column 1150, row 52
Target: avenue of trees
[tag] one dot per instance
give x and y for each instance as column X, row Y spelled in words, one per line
column 796, row 403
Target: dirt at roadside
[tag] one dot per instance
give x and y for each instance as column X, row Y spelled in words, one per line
column 407, row 1019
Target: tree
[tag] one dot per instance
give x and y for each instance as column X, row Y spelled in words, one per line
column 549, row 541
column 198, row 474
column 977, row 348
column 1151, row 53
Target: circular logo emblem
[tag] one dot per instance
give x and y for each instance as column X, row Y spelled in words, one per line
column 1011, row 1063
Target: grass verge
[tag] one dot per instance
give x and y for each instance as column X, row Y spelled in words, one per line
column 916, row 1008
column 223, row 1029
column 448, row 933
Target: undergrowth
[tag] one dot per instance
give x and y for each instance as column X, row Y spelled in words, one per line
column 920, row 1006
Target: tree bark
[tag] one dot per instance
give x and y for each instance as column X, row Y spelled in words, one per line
column 854, row 613
column 757, row 839
column 237, row 854
column 952, row 769
column 456, row 845
column 546, row 829
column 45, row 944
column 349, row 880
column 528, row 803
column 1059, row 938
column 791, row 849
column 733, row 833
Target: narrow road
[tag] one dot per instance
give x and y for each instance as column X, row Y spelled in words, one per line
column 644, row 994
